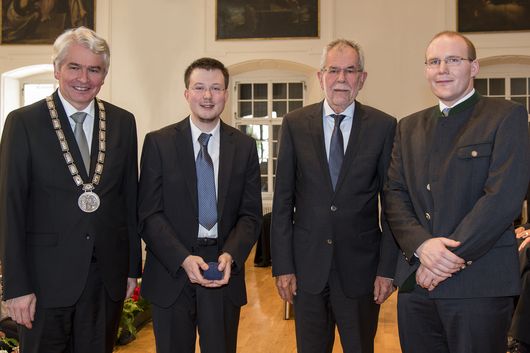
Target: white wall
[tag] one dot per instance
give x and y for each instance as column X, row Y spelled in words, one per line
column 153, row 41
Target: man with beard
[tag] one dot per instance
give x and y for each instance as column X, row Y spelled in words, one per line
column 329, row 255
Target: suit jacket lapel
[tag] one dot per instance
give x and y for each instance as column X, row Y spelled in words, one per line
column 316, row 128
column 70, row 138
column 353, row 142
column 186, row 157
column 226, row 160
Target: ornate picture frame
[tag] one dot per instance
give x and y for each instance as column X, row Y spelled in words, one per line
column 493, row 15
column 270, row 19
column 41, row 21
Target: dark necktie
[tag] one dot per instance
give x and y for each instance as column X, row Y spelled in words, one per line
column 206, row 185
column 336, row 150
column 80, row 137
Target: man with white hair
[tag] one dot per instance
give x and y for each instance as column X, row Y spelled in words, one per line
column 68, row 177
column 330, row 256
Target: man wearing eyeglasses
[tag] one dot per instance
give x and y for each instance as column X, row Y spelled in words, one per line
column 199, row 207
column 329, row 255
column 457, row 180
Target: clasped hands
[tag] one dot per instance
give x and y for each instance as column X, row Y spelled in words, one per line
column 194, row 264
column 437, row 262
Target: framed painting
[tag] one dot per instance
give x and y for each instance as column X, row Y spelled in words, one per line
column 493, row 15
column 41, row 21
column 267, row 19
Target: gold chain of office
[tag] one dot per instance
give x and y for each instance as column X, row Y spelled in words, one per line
column 88, row 201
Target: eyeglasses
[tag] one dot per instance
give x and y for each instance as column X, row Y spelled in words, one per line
column 449, row 61
column 335, row 71
column 214, row 90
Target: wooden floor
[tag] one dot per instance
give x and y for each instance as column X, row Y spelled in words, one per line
column 262, row 328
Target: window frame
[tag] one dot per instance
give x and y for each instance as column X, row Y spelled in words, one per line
column 269, row 120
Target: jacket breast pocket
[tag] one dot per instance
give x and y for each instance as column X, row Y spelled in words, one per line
column 474, row 164
column 480, row 150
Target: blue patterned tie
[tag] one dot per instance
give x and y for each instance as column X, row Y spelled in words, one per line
column 206, row 185
column 336, row 150
column 445, row 112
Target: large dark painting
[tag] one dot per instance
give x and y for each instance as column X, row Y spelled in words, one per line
column 493, row 15
column 41, row 21
column 246, row 19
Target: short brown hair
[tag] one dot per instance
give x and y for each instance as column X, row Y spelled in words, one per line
column 206, row 64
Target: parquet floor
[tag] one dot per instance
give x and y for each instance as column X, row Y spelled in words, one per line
column 262, row 328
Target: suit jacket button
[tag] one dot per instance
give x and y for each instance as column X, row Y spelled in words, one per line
column 329, row 241
column 428, row 187
column 428, row 216
column 469, row 262
column 474, row 154
column 87, row 237
column 333, row 208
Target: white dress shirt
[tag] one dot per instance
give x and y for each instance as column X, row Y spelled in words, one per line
column 88, row 124
column 443, row 106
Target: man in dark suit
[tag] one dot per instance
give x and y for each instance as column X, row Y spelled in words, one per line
column 457, row 180
column 329, row 255
column 68, row 180
column 195, row 219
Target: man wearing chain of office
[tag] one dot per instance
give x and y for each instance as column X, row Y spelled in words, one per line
column 68, row 178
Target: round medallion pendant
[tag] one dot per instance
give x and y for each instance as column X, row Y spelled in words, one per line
column 88, row 201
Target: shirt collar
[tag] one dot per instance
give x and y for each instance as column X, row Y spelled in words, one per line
column 466, row 97
column 348, row 112
column 196, row 132
column 70, row 109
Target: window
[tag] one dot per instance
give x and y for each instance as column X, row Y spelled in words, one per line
column 258, row 111
column 23, row 86
column 33, row 92
column 512, row 88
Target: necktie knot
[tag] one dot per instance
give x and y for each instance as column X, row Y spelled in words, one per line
column 445, row 112
column 79, row 117
column 338, row 118
column 204, row 138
